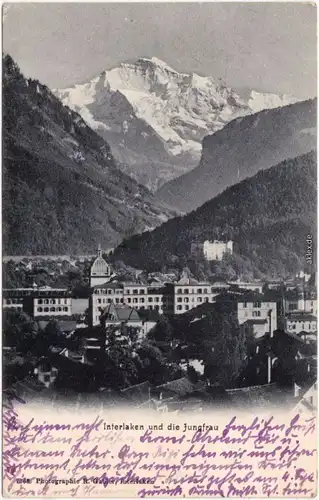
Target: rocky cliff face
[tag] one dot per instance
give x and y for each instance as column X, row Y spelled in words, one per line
column 155, row 118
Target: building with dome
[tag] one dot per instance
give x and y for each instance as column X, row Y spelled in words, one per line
column 100, row 270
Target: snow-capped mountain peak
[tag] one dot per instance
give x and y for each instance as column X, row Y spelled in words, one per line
column 157, row 62
column 155, row 117
column 259, row 101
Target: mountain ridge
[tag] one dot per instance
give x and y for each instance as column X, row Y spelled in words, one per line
column 63, row 191
column 242, row 148
column 155, row 117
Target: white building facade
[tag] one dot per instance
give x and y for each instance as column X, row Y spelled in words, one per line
column 212, row 250
column 167, row 299
column 189, row 296
column 137, row 296
column 301, row 304
column 301, row 322
column 40, row 302
column 258, row 309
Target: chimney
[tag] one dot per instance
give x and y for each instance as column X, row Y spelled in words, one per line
column 269, row 353
column 269, row 369
column 269, row 323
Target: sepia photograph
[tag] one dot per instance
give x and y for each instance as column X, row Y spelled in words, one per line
column 159, row 233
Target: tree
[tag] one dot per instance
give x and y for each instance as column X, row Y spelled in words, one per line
column 117, row 368
column 227, row 356
column 19, row 331
column 192, row 374
column 162, row 331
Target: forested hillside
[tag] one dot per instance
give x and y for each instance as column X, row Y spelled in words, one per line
column 268, row 217
column 62, row 190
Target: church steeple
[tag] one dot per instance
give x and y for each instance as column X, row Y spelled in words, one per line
column 100, row 270
column 99, row 251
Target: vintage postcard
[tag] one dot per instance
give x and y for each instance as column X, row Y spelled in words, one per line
column 159, row 228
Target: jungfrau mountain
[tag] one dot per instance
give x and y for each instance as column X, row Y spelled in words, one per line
column 155, row 118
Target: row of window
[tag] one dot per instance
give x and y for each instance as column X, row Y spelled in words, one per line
column 199, row 299
column 17, row 307
column 256, row 305
column 11, row 301
column 40, row 293
column 256, row 314
column 52, row 309
column 136, row 291
column 112, row 291
column 181, row 308
column 134, row 300
column 294, row 307
column 153, row 308
column 52, row 301
column 37, row 301
column 142, row 301
column 109, row 301
column 301, row 321
column 303, row 326
column 195, row 290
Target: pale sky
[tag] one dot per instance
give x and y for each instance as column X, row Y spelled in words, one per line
column 265, row 46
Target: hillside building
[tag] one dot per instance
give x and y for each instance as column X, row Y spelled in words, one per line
column 212, row 250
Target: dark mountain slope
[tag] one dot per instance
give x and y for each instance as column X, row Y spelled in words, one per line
column 62, row 191
column 267, row 216
column 242, row 148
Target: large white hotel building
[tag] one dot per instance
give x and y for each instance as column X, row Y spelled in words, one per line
column 170, row 298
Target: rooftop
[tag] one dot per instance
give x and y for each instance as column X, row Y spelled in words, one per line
column 65, row 326
column 246, row 296
column 258, row 395
column 109, row 286
column 35, row 292
column 99, row 266
column 138, row 393
column 181, row 386
column 256, row 321
column 119, row 312
column 301, row 316
column 26, row 389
